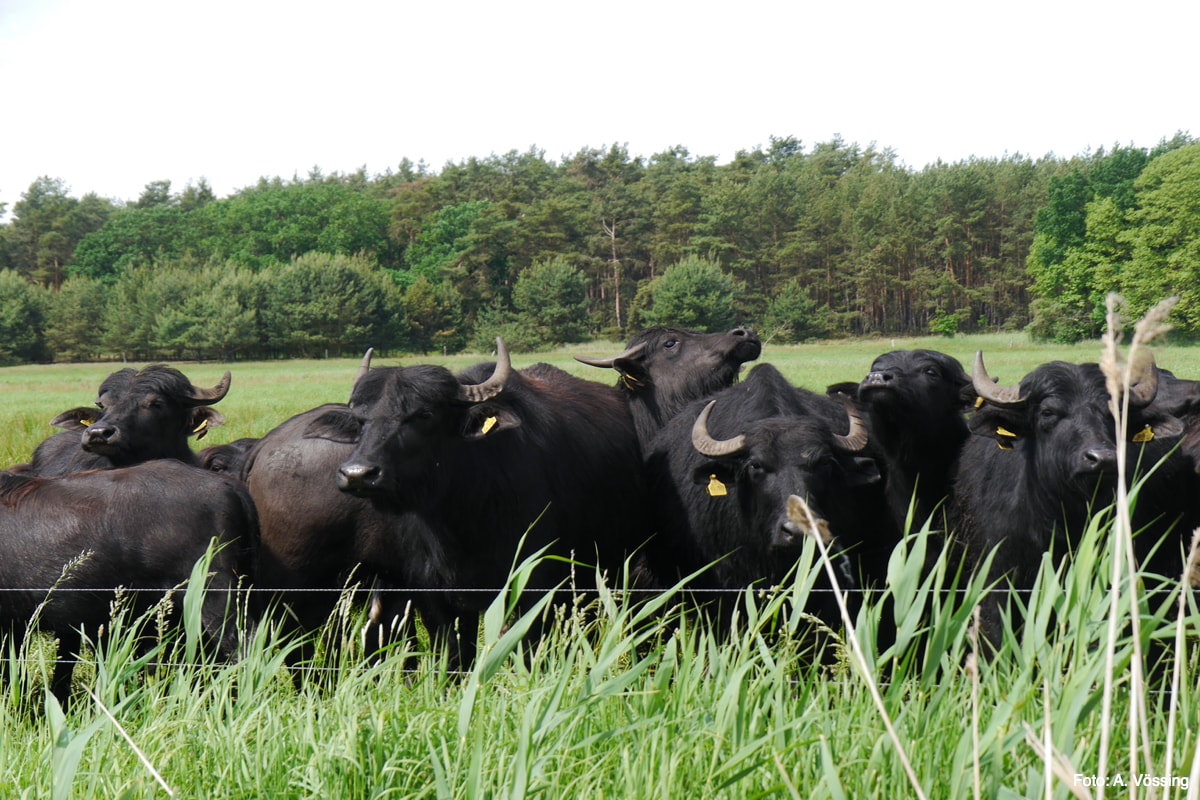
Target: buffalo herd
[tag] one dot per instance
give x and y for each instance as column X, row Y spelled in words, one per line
column 419, row 495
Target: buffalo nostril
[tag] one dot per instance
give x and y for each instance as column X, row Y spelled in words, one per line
column 98, row 434
column 739, row 331
column 788, row 534
column 357, row 476
column 1100, row 459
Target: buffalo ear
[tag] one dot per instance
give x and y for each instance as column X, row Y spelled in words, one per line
column 992, row 423
column 336, row 425
column 848, row 388
column 204, row 418
column 967, row 394
column 1167, row 426
column 723, row 471
column 76, row 419
column 634, row 366
column 483, row 419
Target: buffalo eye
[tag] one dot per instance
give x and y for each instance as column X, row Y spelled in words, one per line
column 931, row 372
column 828, row 465
column 670, row 344
column 1048, row 416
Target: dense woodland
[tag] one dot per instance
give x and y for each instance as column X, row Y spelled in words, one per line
column 801, row 242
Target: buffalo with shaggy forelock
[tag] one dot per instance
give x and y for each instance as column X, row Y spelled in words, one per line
column 140, row 415
column 723, row 471
column 663, row 369
column 141, row 528
column 1041, row 460
column 916, row 403
column 484, row 457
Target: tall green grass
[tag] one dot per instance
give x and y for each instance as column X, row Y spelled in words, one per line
column 634, row 699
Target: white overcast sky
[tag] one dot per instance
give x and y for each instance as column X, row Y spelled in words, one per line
column 110, row 95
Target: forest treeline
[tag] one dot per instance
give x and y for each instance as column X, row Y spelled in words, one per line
column 802, row 243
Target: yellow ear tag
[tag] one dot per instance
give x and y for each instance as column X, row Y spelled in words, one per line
column 203, row 424
column 1003, row 445
column 87, row 423
column 488, row 424
column 1143, row 436
column 715, row 487
column 631, row 383
column 1005, row 432
column 979, row 402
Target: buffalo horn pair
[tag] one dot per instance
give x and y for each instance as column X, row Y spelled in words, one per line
column 853, row 441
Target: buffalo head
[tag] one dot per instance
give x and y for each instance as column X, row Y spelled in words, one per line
column 145, row 414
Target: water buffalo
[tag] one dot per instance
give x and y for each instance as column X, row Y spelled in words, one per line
column 141, row 528
column 722, row 473
column 916, row 403
column 1041, row 460
column 140, row 415
column 485, row 457
column 317, row 537
column 663, row 369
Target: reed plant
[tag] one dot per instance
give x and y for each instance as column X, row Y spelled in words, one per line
column 631, row 697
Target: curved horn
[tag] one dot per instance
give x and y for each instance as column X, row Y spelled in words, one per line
column 478, row 392
column 365, row 366
column 205, row 397
column 609, row 363
column 986, row 388
column 856, row 439
column 706, row 445
column 1143, row 379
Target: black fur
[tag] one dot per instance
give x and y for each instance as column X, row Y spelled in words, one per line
column 143, row 527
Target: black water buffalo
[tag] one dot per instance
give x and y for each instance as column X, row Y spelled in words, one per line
column 140, row 528
column 916, row 403
column 140, row 415
column 1041, row 460
column 663, row 369
column 722, row 473
column 482, row 458
column 317, row 537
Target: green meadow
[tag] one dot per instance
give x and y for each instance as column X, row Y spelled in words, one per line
column 633, row 699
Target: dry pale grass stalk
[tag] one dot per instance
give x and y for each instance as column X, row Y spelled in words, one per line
column 1056, row 763
column 800, row 514
column 1186, row 582
column 972, row 667
column 787, row 779
column 133, row 745
column 1047, row 743
column 1118, row 372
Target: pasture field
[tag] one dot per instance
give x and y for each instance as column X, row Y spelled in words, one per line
column 632, row 699
column 264, row 393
